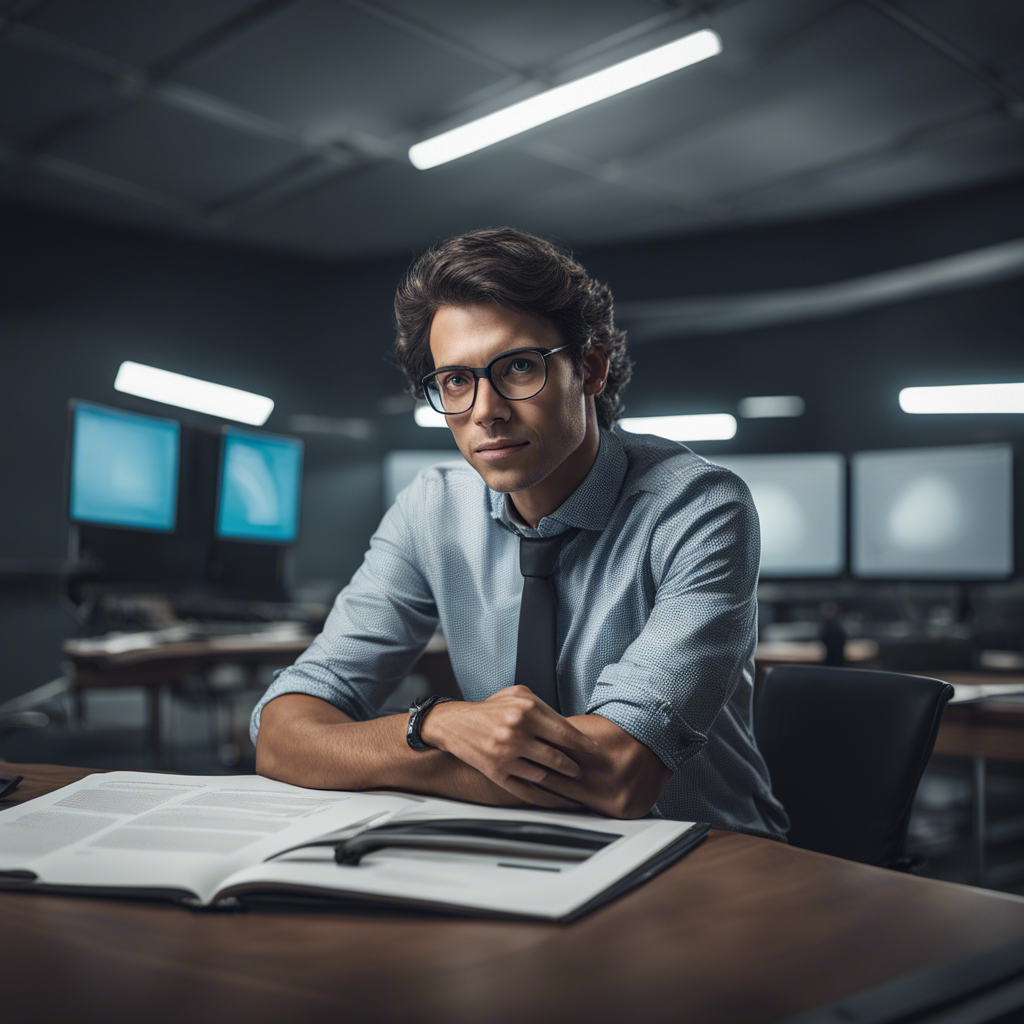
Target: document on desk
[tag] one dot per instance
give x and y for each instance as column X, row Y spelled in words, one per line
column 212, row 841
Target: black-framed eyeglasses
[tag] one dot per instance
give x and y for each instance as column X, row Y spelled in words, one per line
column 516, row 376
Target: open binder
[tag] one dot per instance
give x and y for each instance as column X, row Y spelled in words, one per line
column 229, row 841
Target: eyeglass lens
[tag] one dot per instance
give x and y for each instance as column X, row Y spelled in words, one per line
column 518, row 376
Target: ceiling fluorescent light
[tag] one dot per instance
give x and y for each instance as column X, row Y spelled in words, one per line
column 563, row 99
column 718, row 426
column 766, row 406
column 427, row 417
column 964, row 398
column 191, row 393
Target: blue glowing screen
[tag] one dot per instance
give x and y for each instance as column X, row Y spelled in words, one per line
column 124, row 468
column 260, row 482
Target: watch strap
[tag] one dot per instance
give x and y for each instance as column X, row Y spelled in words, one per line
column 417, row 712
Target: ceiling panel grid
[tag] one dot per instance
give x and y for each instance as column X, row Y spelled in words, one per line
column 285, row 123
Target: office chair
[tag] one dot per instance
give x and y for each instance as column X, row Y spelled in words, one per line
column 846, row 749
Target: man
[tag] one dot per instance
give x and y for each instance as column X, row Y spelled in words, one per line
column 647, row 708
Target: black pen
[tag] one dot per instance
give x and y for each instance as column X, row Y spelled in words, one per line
column 8, row 784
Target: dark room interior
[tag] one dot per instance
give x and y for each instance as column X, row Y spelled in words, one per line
column 806, row 231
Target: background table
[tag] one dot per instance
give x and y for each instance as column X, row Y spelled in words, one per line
column 741, row 931
column 989, row 729
column 163, row 667
column 159, row 668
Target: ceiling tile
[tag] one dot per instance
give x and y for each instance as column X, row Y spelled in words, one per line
column 858, row 85
column 38, row 89
column 175, row 152
column 33, row 187
column 1014, row 78
column 325, row 68
column 801, row 115
column 990, row 30
column 528, row 34
column 588, row 211
column 392, row 207
column 644, row 117
column 681, row 103
column 990, row 150
column 128, row 30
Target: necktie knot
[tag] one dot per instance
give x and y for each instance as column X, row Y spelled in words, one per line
column 538, row 556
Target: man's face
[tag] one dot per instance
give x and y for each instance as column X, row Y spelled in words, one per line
column 546, row 429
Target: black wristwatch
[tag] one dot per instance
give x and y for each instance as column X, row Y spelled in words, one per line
column 417, row 712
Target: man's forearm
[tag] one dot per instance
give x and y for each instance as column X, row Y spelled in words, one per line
column 623, row 779
column 307, row 742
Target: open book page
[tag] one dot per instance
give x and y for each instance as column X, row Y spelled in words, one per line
column 503, row 883
column 182, row 833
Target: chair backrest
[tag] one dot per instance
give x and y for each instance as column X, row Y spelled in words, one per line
column 846, row 749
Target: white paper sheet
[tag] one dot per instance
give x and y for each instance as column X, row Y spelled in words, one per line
column 132, row 829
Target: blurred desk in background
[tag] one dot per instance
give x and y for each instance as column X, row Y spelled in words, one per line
column 808, row 652
column 987, row 721
column 155, row 662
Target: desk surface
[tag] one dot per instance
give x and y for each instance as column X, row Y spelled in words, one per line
column 742, row 930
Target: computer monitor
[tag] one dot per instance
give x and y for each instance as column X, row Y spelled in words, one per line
column 402, row 465
column 801, row 502
column 259, row 487
column 123, row 470
column 933, row 513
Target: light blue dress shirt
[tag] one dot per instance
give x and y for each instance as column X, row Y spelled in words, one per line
column 656, row 613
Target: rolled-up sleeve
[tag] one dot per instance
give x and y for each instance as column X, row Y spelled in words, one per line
column 376, row 630
column 675, row 677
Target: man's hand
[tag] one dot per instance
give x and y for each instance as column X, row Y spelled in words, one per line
column 509, row 738
column 623, row 779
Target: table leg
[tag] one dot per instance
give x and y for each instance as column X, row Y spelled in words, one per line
column 978, row 837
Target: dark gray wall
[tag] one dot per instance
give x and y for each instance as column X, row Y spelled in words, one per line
column 848, row 369
column 77, row 298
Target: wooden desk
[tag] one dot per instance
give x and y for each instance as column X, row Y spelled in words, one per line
column 741, row 931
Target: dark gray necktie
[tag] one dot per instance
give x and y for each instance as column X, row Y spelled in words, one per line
column 536, row 655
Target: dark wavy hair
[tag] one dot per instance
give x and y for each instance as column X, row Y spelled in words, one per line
column 520, row 272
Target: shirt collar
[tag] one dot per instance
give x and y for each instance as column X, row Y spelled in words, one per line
column 590, row 506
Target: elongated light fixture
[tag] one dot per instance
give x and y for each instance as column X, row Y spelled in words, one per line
column 563, row 99
column 964, row 398
column 770, row 406
column 716, row 426
column 192, row 393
